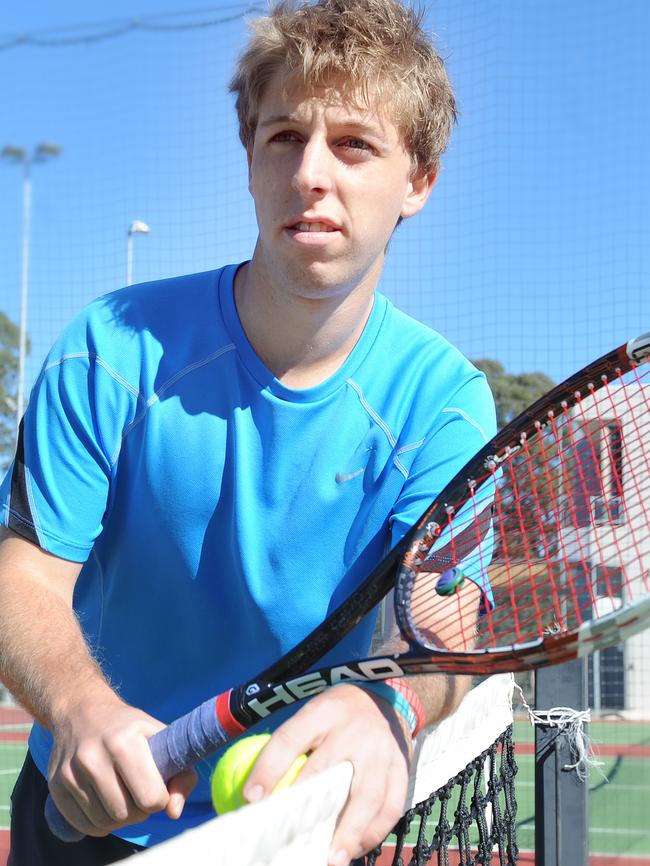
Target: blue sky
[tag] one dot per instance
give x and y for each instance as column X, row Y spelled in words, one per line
column 533, row 249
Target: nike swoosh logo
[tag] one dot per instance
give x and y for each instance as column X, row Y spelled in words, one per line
column 341, row 477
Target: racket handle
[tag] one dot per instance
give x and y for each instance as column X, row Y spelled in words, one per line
column 188, row 740
column 182, row 744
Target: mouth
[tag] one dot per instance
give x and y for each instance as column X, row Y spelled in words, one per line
column 313, row 227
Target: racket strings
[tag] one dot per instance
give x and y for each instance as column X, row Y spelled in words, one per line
column 491, row 624
column 609, row 477
column 570, row 537
column 574, row 478
column 463, row 535
column 627, row 450
column 541, row 526
column 638, row 448
column 530, row 538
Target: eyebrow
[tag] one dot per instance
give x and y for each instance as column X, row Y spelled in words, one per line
column 360, row 125
column 277, row 118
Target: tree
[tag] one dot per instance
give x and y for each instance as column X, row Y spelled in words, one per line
column 512, row 392
column 9, row 346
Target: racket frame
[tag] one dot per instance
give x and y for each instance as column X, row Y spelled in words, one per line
column 525, row 427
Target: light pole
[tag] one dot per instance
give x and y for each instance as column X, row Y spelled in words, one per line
column 137, row 227
column 21, row 156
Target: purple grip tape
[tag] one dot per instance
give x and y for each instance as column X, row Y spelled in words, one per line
column 185, row 742
column 188, row 740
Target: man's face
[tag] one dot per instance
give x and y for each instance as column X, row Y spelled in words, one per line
column 330, row 180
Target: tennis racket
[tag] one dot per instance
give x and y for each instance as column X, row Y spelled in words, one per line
column 551, row 514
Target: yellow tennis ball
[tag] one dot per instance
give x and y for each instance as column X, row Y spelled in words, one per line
column 292, row 773
column 234, row 767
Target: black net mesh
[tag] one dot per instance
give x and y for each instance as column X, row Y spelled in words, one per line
column 470, row 821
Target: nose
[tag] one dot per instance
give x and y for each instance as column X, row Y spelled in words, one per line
column 313, row 174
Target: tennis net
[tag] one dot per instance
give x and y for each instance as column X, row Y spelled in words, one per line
column 461, row 805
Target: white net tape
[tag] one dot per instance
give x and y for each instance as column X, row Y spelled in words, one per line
column 444, row 749
column 294, row 827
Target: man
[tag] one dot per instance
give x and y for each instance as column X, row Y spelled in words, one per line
column 209, row 464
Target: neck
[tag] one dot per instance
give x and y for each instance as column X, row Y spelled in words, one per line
column 302, row 339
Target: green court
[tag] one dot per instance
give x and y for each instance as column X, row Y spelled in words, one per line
column 11, row 758
column 618, row 794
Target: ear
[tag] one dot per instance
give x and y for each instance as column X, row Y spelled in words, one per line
column 249, row 160
column 417, row 192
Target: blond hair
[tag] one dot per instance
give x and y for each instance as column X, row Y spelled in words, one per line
column 365, row 48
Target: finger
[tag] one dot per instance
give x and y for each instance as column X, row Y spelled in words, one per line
column 87, row 790
column 180, row 787
column 271, row 764
column 79, row 802
column 108, row 803
column 350, row 740
column 369, row 816
column 310, row 728
column 137, row 769
column 75, row 814
column 116, row 785
column 295, row 737
column 351, row 724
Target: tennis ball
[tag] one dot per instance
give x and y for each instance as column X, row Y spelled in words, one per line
column 234, row 767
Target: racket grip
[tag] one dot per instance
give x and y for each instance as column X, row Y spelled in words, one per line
column 182, row 744
column 188, row 740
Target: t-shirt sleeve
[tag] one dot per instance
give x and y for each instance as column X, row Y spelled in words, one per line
column 58, row 487
column 461, row 429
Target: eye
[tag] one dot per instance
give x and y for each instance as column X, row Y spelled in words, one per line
column 285, row 135
column 354, row 150
column 356, row 144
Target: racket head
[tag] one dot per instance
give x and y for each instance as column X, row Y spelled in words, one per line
column 549, row 519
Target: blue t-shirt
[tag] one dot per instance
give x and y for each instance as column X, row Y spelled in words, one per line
column 219, row 514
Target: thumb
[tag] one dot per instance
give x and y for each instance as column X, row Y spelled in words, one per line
column 180, row 787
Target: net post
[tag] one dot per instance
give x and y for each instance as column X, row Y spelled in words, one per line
column 561, row 817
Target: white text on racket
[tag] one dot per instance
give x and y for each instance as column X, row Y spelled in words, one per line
column 311, row 684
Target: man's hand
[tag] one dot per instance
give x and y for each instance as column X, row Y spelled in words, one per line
column 345, row 724
column 102, row 775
